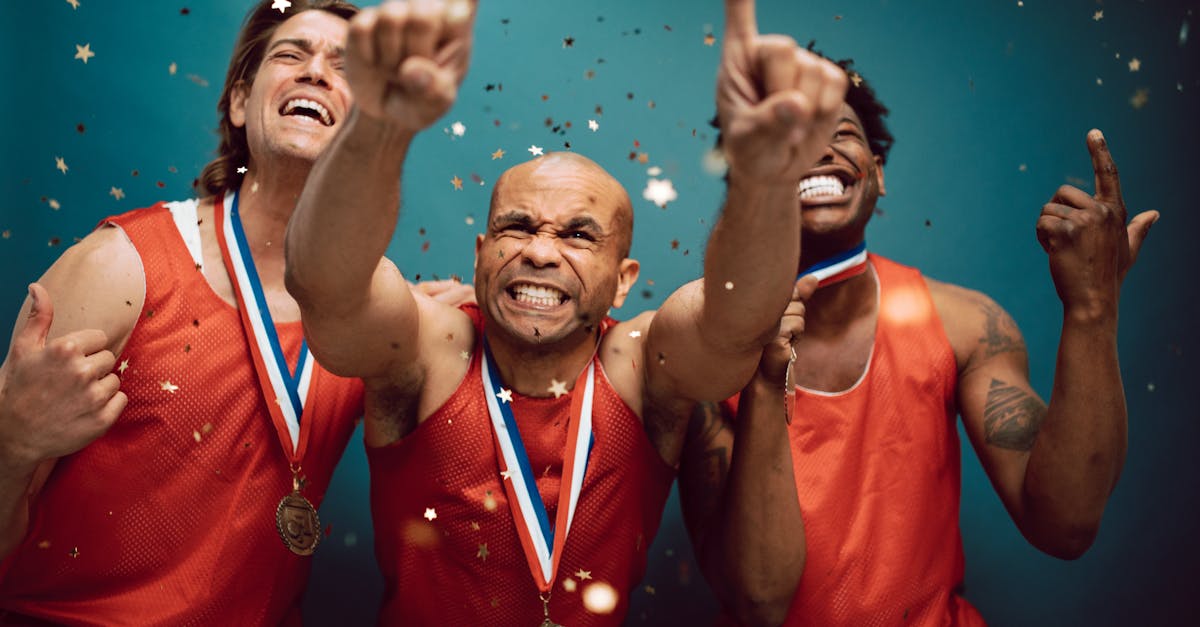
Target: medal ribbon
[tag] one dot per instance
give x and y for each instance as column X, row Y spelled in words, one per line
column 285, row 392
column 839, row 267
column 542, row 543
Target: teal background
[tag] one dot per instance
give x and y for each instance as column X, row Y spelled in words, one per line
column 990, row 101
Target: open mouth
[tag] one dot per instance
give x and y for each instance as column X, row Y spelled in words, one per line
column 307, row 108
column 536, row 295
column 824, row 187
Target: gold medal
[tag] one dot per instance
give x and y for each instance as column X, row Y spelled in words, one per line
column 546, row 622
column 297, row 522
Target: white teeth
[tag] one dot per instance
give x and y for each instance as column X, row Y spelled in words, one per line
column 297, row 103
column 819, row 186
column 541, row 296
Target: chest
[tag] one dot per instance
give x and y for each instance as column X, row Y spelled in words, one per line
column 835, row 362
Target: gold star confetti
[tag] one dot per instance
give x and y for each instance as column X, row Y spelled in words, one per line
column 635, row 334
column 557, row 388
column 61, row 164
column 482, row 553
column 660, row 192
column 74, row 552
column 167, row 386
column 196, row 436
column 84, row 52
column 242, row 170
column 456, row 182
column 709, row 39
column 583, row 574
column 44, row 544
column 474, row 526
column 505, row 475
column 172, row 69
column 116, row 192
column 74, row 4
column 535, row 150
column 54, row 203
column 593, row 125
column 1098, row 15
column 1134, row 64
column 856, row 78
column 489, row 501
column 499, row 154
column 650, row 590
column 504, row 395
column 1139, row 98
column 459, row 129
column 430, row 514
column 281, row 5
column 464, row 355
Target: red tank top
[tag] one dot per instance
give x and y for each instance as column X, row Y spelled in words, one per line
column 169, row 518
column 466, row 566
column 878, row 476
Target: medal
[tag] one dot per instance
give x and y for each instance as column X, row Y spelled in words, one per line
column 543, row 544
column 284, row 392
column 297, row 521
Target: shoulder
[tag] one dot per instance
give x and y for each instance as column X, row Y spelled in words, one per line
column 976, row 325
column 623, row 355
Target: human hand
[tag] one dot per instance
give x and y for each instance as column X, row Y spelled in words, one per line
column 777, row 355
column 1089, row 244
column 405, row 60
column 777, row 103
column 58, row 396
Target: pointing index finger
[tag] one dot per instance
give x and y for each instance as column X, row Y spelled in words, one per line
column 1108, row 183
column 740, row 24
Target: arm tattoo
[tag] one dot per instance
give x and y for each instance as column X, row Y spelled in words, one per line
column 1001, row 334
column 711, row 457
column 1011, row 417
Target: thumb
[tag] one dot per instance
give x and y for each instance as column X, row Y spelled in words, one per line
column 41, row 315
column 1138, row 228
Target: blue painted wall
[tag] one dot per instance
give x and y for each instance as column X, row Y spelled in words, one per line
column 990, row 101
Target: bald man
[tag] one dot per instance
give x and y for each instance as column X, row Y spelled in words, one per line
column 517, row 473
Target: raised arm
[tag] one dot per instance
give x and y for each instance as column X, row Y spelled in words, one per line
column 1054, row 467
column 58, row 391
column 404, row 62
column 740, row 502
column 777, row 105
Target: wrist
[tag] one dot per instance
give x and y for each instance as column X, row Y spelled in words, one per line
column 384, row 133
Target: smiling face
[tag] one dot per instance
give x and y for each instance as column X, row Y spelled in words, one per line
column 554, row 257
column 299, row 95
column 837, row 197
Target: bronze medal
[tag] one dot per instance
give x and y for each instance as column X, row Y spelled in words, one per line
column 298, row 525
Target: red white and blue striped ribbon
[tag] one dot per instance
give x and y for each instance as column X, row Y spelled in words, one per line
column 284, row 391
column 839, row 267
column 542, row 543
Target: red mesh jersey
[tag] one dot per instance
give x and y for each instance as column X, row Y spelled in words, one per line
column 466, row 566
column 878, row 476
column 169, row 518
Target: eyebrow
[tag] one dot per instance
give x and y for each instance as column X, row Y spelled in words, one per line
column 524, row 219
column 513, row 217
column 852, row 123
column 305, row 45
column 584, row 222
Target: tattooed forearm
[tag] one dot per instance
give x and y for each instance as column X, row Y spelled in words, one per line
column 1012, row 417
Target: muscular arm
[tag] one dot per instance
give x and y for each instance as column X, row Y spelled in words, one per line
column 403, row 63
column 57, row 389
column 777, row 106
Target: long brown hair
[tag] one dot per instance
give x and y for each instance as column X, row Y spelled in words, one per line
column 221, row 173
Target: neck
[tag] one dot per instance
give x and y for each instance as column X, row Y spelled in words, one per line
column 530, row 369
column 266, row 201
column 812, row 252
column 833, row 308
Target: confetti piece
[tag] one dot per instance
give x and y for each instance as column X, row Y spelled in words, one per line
column 499, row 154
column 1098, row 15
column 535, row 150
column 242, row 170
column 199, row 80
column 635, row 334
column 167, row 386
column 459, row 129
column 654, row 171
column 1139, row 98
column 1022, row 168
column 430, row 514
column 505, row 475
column 593, row 125
column 489, row 501
column 1135, row 64
column 61, row 164
column 116, row 192
column 84, row 52
column 729, row 285
column 281, row 5
column 557, row 388
column 54, row 204
column 709, row 39
column 1149, row 387
column 660, row 192
column 196, row 435
column 583, row 575
column 172, row 69
column 569, row 584
column 714, row 163
column 482, row 553
column 600, row 598
column 74, row 552
column 456, row 182
column 1183, row 33
column 568, row 42
column 74, row 4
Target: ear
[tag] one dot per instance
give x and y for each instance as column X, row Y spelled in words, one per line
column 879, row 175
column 237, row 103
column 627, row 275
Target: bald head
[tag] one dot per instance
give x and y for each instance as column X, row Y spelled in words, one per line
column 571, row 170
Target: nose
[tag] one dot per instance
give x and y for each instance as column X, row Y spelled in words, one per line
column 315, row 71
column 542, row 251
